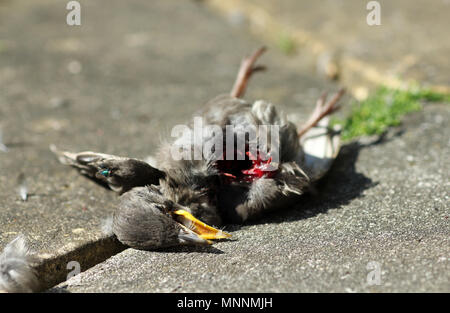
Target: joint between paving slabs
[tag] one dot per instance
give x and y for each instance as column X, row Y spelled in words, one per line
column 53, row 271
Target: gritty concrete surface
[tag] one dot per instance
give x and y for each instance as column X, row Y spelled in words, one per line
column 410, row 44
column 384, row 201
column 119, row 82
column 115, row 84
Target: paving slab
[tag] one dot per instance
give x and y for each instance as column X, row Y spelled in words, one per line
column 409, row 44
column 115, row 84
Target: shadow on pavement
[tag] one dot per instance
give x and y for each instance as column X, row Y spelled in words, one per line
column 340, row 186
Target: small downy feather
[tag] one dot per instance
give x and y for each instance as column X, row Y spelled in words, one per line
column 3, row 147
column 106, row 226
column 22, row 187
column 16, row 272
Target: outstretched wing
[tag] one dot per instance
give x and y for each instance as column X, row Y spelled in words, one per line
column 118, row 173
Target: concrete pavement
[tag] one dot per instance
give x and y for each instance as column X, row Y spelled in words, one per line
column 131, row 71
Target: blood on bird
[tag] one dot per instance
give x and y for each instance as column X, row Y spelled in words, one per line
column 248, row 170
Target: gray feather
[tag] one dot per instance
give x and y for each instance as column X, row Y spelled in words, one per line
column 107, row 226
column 3, row 147
column 22, row 187
column 16, row 272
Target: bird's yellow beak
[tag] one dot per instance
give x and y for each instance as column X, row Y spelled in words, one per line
column 203, row 230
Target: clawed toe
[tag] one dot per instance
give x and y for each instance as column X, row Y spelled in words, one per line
column 321, row 110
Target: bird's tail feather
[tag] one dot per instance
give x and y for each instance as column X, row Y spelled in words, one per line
column 16, row 271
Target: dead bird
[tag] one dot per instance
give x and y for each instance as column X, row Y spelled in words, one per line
column 174, row 201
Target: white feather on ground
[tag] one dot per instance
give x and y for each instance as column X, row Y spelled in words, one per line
column 16, row 272
column 107, row 226
column 22, row 187
column 3, row 147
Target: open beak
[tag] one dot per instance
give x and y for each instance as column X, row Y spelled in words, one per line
column 201, row 229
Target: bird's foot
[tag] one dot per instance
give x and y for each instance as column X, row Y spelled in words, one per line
column 322, row 109
column 245, row 72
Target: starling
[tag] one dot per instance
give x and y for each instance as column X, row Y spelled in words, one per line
column 175, row 200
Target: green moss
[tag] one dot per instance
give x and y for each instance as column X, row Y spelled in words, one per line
column 286, row 44
column 385, row 108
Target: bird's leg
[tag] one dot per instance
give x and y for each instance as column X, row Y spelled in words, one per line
column 321, row 110
column 246, row 70
column 118, row 173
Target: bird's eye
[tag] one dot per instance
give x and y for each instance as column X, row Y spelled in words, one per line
column 105, row 173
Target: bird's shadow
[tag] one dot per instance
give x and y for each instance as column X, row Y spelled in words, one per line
column 190, row 249
column 339, row 187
